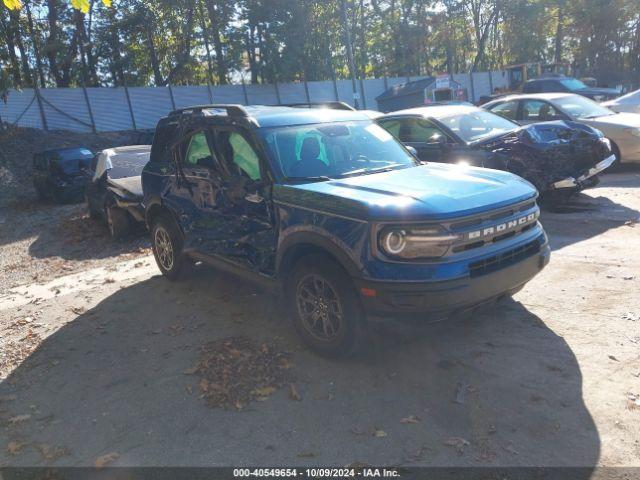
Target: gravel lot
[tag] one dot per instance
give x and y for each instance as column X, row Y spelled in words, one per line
column 98, row 353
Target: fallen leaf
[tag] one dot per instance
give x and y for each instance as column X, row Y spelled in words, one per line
column 611, row 357
column 264, row 391
column 14, row 447
column 510, row 449
column 191, row 371
column 293, row 393
column 51, row 453
column 410, row 419
column 458, row 442
column 378, row 433
column 106, row 459
column 19, row 419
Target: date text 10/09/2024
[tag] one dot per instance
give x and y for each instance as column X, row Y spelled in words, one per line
column 366, row 472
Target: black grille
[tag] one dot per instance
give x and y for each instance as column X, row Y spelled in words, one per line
column 492, row 264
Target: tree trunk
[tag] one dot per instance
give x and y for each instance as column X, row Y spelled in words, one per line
column 185, row 55
column 14, row 29
column 215, row 17
column 36, row 46
column 251, row 52
column 559, row 35
column 153, row 55
column 52, row 41
column 116, row 60
column 13, row 58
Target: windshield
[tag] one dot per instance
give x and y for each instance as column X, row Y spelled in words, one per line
column 478, row 125
column 581, row 107
column 123, row 166
column 573, row 84
column 334, row 150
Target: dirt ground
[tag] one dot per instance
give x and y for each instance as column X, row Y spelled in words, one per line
column 97, row 360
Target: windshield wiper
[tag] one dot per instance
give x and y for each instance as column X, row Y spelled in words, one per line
column 319, row 178
column 367, row 171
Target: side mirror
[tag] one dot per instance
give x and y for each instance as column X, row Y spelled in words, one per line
column 437, row 139
column 412, row 150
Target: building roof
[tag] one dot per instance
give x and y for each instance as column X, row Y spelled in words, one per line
column 407, row 88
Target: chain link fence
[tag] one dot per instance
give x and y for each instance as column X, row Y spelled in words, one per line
column 135, row 108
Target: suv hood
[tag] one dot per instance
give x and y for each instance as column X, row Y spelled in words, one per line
column 427, row 192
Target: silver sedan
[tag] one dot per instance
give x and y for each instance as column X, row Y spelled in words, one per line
column 622, row 129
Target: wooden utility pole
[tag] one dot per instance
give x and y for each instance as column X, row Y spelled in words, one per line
column 352, row 65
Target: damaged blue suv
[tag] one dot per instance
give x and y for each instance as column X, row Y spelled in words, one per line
column 327, row 207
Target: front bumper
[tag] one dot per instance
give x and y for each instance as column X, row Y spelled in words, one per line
column 572, row 182
column 393, row 298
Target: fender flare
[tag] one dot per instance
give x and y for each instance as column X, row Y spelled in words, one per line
column 315, row 241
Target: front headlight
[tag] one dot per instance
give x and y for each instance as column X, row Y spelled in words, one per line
column 411, row 242
column 633, row 131
column 606, row 141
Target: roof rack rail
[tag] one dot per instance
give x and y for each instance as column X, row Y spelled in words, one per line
column 333, row 105
column 233, row 110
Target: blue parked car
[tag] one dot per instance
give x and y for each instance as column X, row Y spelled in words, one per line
column 329, row 208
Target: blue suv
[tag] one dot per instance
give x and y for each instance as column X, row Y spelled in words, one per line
column 327, row 207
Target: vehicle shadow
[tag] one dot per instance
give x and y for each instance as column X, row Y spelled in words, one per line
column 584, row 217
column 493, row 388
column 72, row 235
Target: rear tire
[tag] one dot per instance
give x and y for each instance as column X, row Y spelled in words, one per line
column 117, row 221
column 325, row 308
column 166, row 243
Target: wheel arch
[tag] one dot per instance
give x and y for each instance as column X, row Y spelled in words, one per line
column 306, row 243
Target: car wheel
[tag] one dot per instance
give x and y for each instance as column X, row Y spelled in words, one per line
column 325, row 307
column 166, row 243
column 118, row 222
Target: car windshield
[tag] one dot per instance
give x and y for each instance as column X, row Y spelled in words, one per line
column 123, row 166
column 581, row 107
column 478, row 125
column 573, row 84
column 334, row 150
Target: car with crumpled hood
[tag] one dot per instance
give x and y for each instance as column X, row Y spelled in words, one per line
column 60, row 174
column 559, row 158
column 622, row 129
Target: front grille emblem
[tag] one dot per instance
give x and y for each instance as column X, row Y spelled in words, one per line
column 502, row 227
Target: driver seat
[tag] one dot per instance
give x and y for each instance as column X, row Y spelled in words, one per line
column 544, row 114
column 309, row 164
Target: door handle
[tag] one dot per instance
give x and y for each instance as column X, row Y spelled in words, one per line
column 254, row 198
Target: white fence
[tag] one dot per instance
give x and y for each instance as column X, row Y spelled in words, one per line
column 113, row 109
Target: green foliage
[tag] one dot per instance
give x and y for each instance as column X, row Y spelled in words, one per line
column 145, row 42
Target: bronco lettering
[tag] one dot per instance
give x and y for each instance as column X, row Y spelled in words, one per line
column 502, row 227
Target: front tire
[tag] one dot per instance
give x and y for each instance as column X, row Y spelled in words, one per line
column 325, row 307
column 166, row 243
